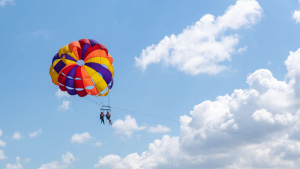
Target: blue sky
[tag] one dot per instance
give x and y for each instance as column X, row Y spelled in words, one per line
column 246, row 49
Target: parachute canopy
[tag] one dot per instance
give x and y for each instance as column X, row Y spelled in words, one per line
column 83, row 67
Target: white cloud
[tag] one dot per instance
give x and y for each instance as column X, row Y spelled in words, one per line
column 2, row 156
column 67, row 160
column 65, row 105
column 268, row 109
column 1, row 132
column 35, row 133
column 201, row 48
column 263, row 115
column 15, row 166
column 296, row 16
column 26, row 160
column 243, row 49
column 159, row 129
column 60, row 94
column 97, row 144
column 52, row 165
column 147, row 160
column 126, row 127
column 6, row 2
column 293, row 63
column 2, row 143
column 17, row 135
column 110, row 161
column 81, row 138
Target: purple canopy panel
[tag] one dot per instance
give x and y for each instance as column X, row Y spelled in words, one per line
column 55, row 57
column 111, row 83
column 70, row 82
column 105, row 73
column 93, row 42
column 59, row 66
column 70, row 58
column 85, row 47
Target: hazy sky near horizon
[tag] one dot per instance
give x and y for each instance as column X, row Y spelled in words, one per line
column 229, row 65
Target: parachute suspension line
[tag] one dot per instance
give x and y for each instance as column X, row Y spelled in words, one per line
column 102, row 100
column 106, row 107
column 193, row 124
column 105, row 101
column 94, row 101
column 108, row 100
column 89, row 99
column 98, row 100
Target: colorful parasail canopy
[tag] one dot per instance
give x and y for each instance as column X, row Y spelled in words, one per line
column 83, row 67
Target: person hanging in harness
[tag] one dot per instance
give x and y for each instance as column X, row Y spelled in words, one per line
column 102, row 117
column 108, row 117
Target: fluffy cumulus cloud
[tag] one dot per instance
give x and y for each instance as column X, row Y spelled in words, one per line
column 65, row 105
column 201, row 48
column 18, row 165
column 2, row 143
column 81, row 138
column 7, row 2
column 2, row 156
column 159, row 129
column 97, row 144
column 67, row 160
column 17, row 135
column 127, row 126
column 263, row 115
column 35, row 133
column 243, row 49
column 26, row 160
column 296, row 15
column 60, row 94
column 268, row 110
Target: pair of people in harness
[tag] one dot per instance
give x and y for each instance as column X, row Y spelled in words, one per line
column 107, row 117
